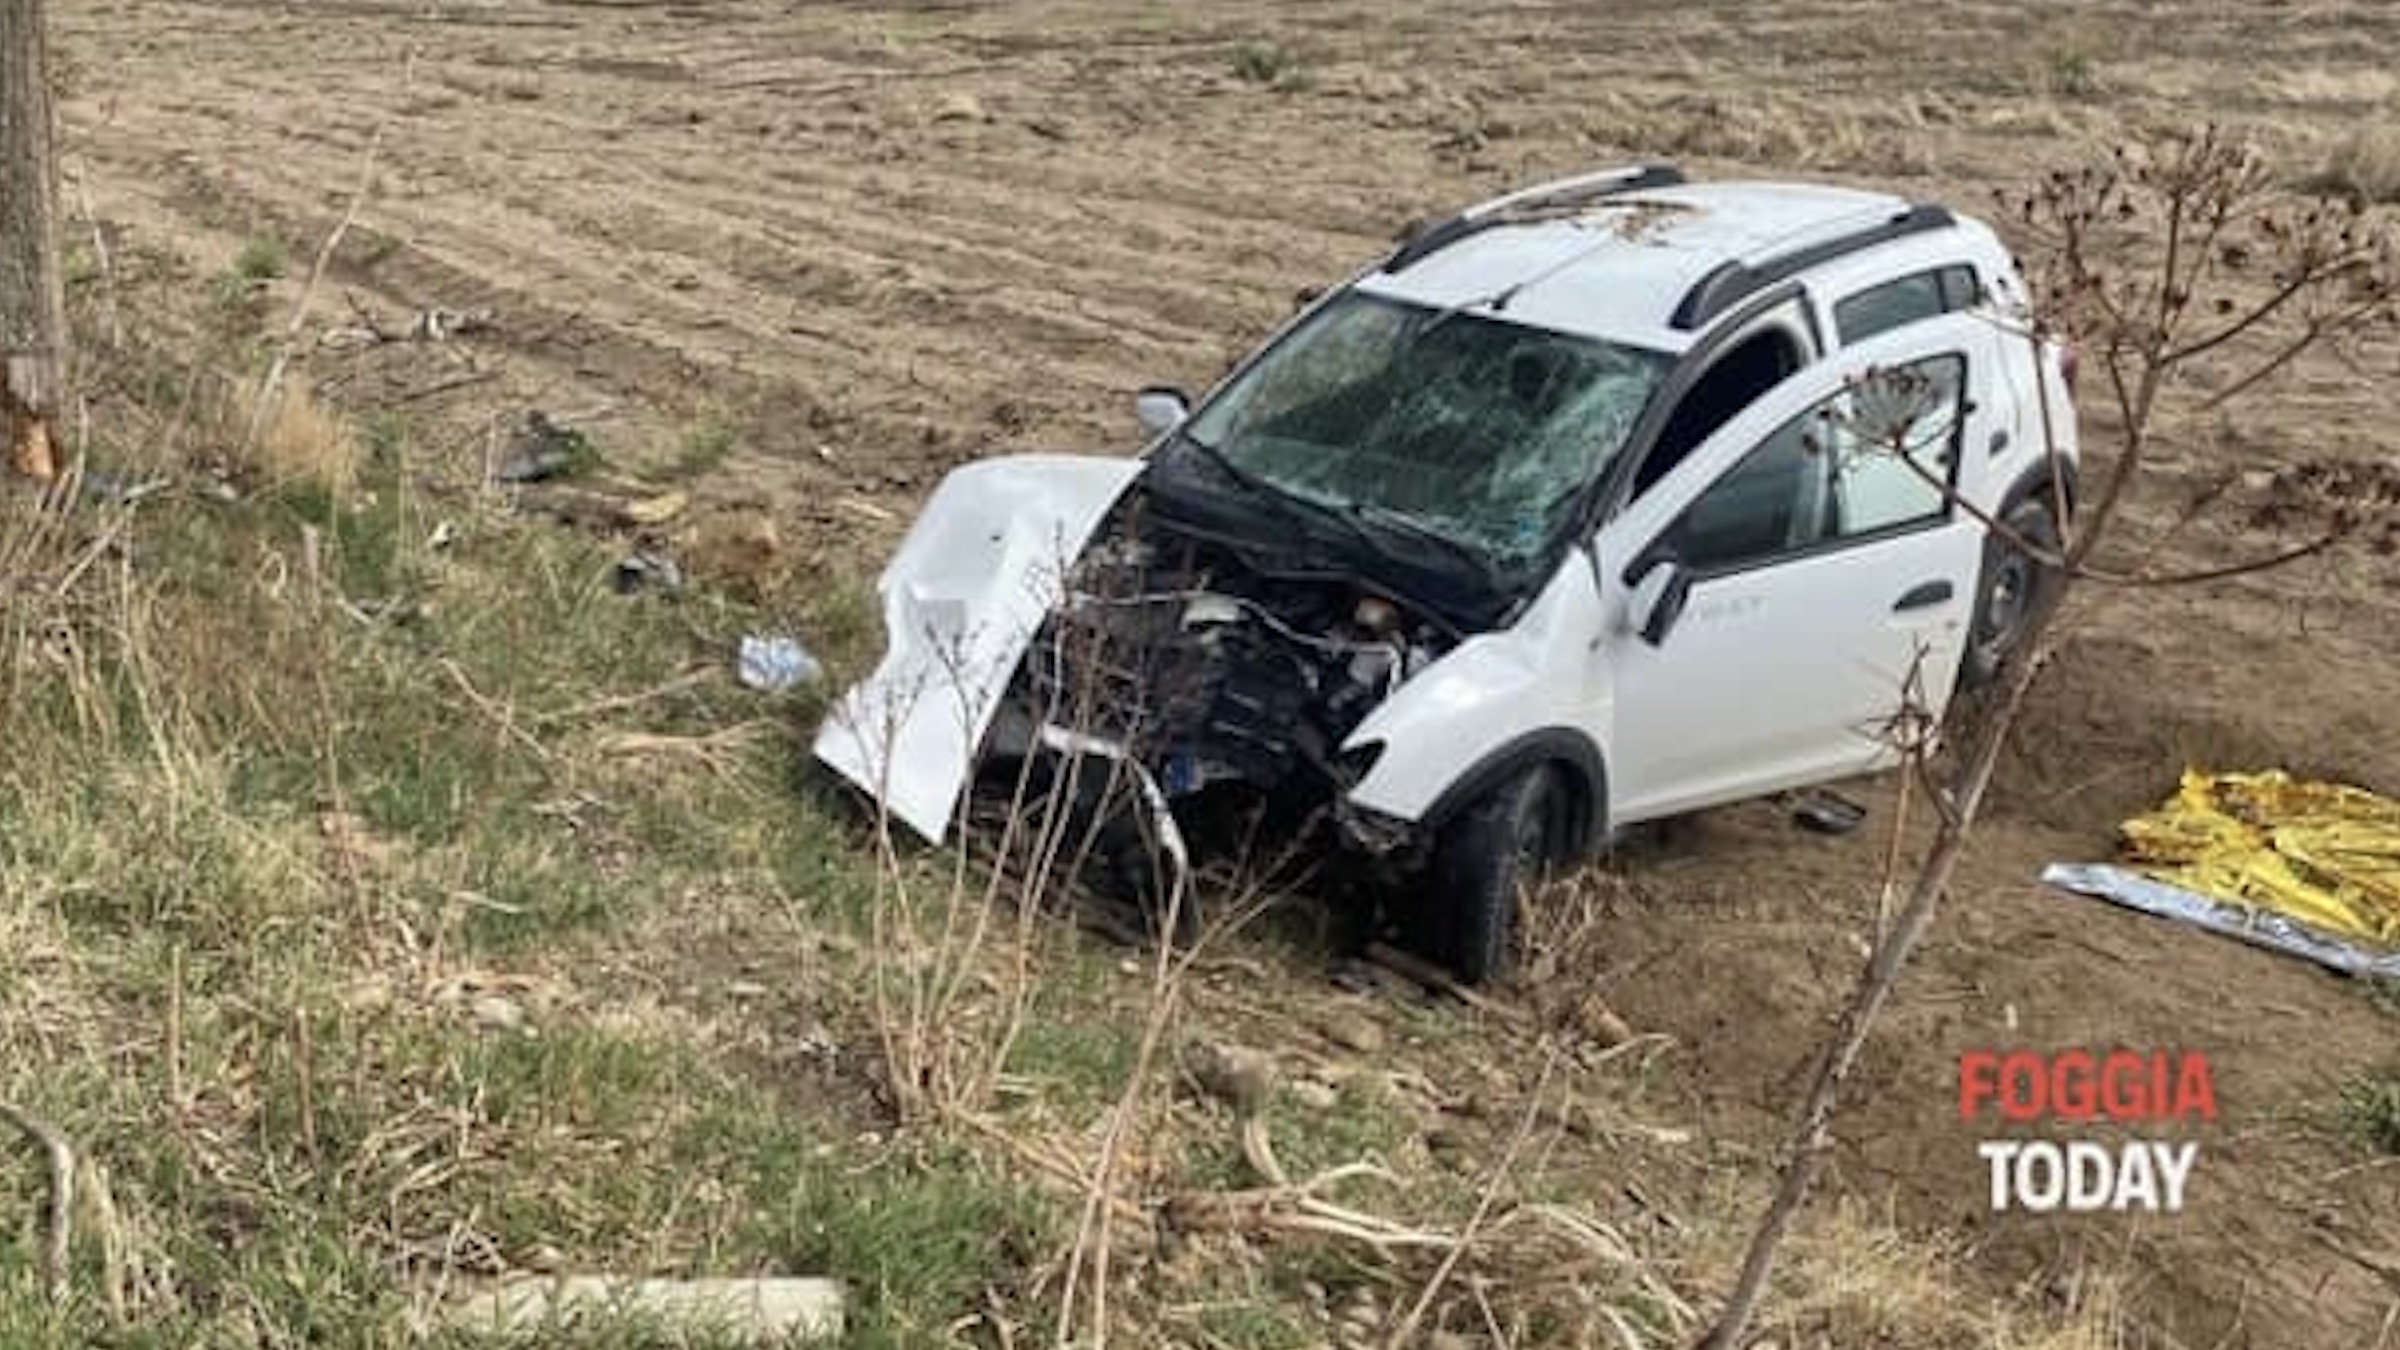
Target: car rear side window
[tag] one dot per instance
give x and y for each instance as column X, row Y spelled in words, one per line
column 1919, row 295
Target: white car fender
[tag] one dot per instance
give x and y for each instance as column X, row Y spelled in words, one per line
column 962, row 599
column 1540, row 676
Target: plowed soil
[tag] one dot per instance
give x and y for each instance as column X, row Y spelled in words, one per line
column 873, row 242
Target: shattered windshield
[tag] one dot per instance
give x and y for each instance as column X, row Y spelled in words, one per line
column 1463, row 426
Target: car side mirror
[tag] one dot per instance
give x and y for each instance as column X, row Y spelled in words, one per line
column 1658, row 600
column 1160, row 409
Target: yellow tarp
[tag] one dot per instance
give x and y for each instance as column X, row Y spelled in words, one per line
column 2324, row 854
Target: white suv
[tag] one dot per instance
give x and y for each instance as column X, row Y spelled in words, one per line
column 1548, row 523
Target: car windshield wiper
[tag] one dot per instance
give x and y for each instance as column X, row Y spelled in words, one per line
column 1251, row 484
column 1225, row 467
column 1390, row 522
column 1371, row 526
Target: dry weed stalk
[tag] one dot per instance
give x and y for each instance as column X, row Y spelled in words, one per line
column 931, row 933
column 270, row 389
column 1094, row 1245
column 59, row 1222
column 1238, row 896
column 937, row 937
column 2179, row 250
column 1508, row 1265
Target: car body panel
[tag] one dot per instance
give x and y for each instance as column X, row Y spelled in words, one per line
column 1537, row 674
column 961, row 599
column 1704, row 718
column 1617, row 270
column 1791, row 672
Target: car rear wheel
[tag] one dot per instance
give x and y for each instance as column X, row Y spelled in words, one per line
column 1481, row 866
column 2011, row 587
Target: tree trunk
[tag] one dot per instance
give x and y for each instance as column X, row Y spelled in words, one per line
column 33, row 321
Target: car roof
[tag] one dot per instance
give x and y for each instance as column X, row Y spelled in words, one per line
column 1624, row 266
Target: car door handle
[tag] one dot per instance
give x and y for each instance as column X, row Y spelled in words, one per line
column 1922, row 595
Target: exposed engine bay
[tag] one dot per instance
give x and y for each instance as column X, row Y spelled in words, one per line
column 1212, row 666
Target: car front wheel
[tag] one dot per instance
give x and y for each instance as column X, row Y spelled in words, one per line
column 1481, row 865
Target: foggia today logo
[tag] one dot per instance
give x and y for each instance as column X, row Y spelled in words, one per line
column 2161, row 1094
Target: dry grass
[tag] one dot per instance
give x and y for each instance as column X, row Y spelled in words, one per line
column 1852, row 1277
column 287, row 437
column 2362, row 167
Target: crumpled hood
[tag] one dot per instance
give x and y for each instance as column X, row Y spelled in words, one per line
column 962, row 599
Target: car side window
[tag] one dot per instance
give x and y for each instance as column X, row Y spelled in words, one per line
column 1874, row 458
column 1895, row 446
column 1918, row 296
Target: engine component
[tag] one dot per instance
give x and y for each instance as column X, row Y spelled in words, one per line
column 1209, row 671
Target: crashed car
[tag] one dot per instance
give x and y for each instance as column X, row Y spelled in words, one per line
column 1572, row 512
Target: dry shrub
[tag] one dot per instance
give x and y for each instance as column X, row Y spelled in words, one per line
column 1851, row 1276
column 1567, row 939
column 2361, row 167
column 285, row 436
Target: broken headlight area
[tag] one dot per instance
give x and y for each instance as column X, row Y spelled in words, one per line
column 1225, row 680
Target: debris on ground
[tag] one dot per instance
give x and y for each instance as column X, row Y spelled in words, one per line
column 497, row 1012
column 441, row 325
column 542, row 450
column 644, row 512
column 604, row 507
column 433, row 324
column 1822, row 812
column 647, row 569
column 117, row 489
column 760, row 1311
column 2308, row 868
column 960, row 106
column 772, row 663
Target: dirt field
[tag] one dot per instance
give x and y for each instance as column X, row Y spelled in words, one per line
column 818, row 254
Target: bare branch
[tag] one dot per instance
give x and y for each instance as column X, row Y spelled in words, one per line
column 2309, row 336
column 2229, row 570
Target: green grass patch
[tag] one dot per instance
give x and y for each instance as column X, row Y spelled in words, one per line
column 915, row 1233
column 2370, row 1111
column 261, row 260
column 1080, row 1059
column 705, row 442
column 1271, row 64
column 1247, row 1321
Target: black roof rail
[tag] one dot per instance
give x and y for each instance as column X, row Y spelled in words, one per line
column 1727, row 283
column 1565, row 194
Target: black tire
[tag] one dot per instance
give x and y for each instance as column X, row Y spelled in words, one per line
column 1481, row 866
column 2011, row 584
